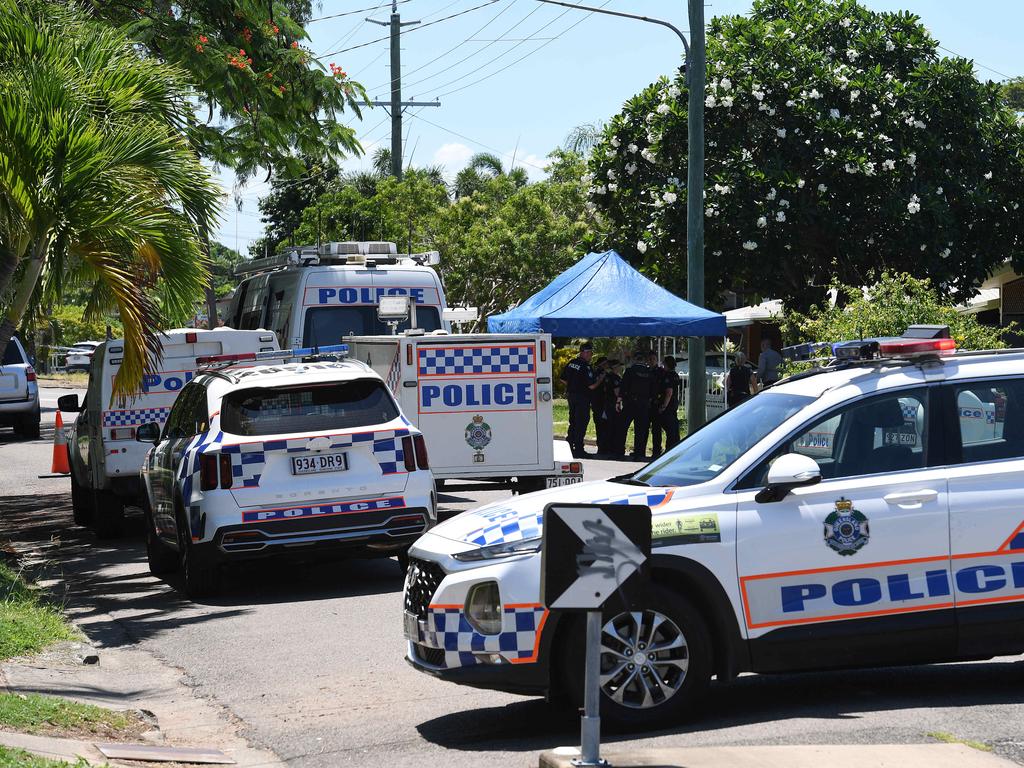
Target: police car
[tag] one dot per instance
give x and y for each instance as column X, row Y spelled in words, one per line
column 865, row 513
column 286, row 457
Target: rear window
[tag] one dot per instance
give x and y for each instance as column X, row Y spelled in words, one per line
column 12, row 355
column 307, row 408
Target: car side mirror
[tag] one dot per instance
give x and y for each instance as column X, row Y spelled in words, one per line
column 68, row 403
column 148, row 432
column 789, row 471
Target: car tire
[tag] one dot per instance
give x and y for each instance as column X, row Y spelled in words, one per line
column 162, row 559
column 198, row 579
column 530, row 484
column 680, row 673
column 108, row 515
column 403, row 559
column 81, row 503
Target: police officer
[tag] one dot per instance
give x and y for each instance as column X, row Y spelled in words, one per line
column 657, row 389
column 636, row 388
column 668, row 409
column 580, row 381
column 614, row 436
column 597, row 401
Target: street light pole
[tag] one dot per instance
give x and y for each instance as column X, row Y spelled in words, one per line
column 696, row 413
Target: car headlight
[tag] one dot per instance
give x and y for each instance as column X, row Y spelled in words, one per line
column 483, row 608
column 509, row 549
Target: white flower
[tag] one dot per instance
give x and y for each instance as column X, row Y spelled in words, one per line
column 912, row 159
column 783, row 203
column 726, row 84
column 845, row 23
column 790, row 103
column 869, row 169
column 663, row 109
column 924, row 247
column 670, row 197
column 889, row 46
column 938, row 191
column 759, row 95
column 915, row 204
column 750, row 245
column 727, row 101
column 631, row 168
column 834, row 114
column 871, row 241
column 883, row 137
column 851, row 54
column 814, row 94
column 988, row 175
column 780, row 216
column 709, row 211
column 600, row 189
column 762, row 222
column 822, row 188
column 799, row 183
column 633, row 148
column 658, row 203
column 611, row 174
column 920, row 124
column 723, row 189
column 612, row 153
column 780, row 132
column 673, row 91
column 710, row 102
column 771, row 111
column 612, row 187
column 854, row 95
column 647, row 154
column 614, row 141
column 745, row 154
column 771, row 195
column 889, row 164
column 641, row 246
column 944, row 253
column 586, row 178
column 672, row 180
column 850, row 168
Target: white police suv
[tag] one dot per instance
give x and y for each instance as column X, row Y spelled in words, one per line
column 268, row 459
column 868, row 512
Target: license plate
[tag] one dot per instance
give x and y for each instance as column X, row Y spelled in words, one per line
column 558, row 482
column 411, row 626
column 319, row 462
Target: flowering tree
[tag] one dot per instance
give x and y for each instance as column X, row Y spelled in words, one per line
column 839, row 145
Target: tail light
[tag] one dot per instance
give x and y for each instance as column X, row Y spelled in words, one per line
column 543, row 351
column 421, row 452
column 30, row 374
column 226, row 477
column 409, row 453
column 408, row 354
column 575, row 467
column 208, row 471
column 122, row 433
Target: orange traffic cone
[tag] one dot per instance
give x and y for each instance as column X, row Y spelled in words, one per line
column 60, row 449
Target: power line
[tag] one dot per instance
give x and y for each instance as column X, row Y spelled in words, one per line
column 373, row 9
column 345, row 38
column 474, row 141
column 421, row 26
column 976, row 63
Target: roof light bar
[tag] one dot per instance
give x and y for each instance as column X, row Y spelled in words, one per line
column 916, row 346
column 332, row 350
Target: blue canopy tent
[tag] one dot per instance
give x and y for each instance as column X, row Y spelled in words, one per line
column 602, row 295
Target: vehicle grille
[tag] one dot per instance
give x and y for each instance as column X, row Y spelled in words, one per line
column 422, row 581
column 432, row 656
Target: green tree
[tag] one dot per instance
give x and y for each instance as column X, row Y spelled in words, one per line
column 482, row 167
column 282, row 207
column 1013, row 93
column 886, row 309
column 99, row 189
column 840, row 145
column 223, row 261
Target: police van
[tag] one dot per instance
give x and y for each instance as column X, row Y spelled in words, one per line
column 865, row 513
column 483, row 402
column 105, row 457
column 310, row 296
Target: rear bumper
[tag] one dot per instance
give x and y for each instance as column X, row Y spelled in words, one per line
column 16, row 409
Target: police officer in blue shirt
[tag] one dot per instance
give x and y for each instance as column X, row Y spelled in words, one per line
column 580, row 382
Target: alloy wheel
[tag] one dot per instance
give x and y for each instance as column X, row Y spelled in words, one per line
column 644, row 659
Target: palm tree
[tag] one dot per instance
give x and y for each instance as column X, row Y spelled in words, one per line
column 584, row 137
column 482, row 167
column 98, row 186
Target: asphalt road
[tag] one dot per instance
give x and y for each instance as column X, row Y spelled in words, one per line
column 310, row 658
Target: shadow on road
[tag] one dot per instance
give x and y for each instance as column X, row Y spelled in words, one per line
column 532, row 725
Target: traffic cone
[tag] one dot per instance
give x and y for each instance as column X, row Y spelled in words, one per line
column 60, row 449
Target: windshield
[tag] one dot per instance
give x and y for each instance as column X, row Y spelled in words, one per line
column 307, row 408
column 712, row 449
column 329, row 325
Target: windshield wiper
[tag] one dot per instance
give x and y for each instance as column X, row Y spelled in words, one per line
column 628, row 480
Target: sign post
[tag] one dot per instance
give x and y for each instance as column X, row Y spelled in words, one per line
column 592, row 554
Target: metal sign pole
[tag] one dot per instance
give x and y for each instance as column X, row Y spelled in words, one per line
column 590, row 723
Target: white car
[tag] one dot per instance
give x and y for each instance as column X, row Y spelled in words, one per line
column 79, row 355
column 867, row 513
column 302, row 458
column 19, row 391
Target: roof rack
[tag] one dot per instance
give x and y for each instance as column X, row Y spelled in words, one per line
column 212, row 363
column 356, row 253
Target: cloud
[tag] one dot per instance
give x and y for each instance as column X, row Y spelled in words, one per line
column 453, row 156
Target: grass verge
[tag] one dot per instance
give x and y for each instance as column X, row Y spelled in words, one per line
column 78, row 379
column 27, row 623
column 54, row 716
column 949, row 738
column 560, row 416
column 17, row 758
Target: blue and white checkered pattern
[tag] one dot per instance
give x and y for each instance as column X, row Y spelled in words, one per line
column 446, row 361
column 133, row 416
column 449, row 629
column 507, row 524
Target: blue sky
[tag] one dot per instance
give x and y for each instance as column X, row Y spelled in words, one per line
column 515, row 76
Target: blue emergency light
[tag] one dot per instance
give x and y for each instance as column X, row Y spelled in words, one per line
column 304, row 353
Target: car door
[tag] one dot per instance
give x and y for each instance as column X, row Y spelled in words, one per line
column 986, row 488
column 178, row 430
column 855, row 569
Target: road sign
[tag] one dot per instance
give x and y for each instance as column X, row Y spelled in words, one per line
column 590, row 551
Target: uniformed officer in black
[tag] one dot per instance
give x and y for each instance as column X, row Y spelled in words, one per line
column 657, row 388
column 636, row 387
column 668, row 409
column 580, row 381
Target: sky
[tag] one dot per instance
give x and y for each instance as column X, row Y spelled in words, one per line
column 514, row 77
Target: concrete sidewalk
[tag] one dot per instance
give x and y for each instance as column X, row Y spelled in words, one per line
column 811, row 756
column 68, row 750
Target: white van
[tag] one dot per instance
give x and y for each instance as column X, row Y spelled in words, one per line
column 105, row 457
column 311, row 296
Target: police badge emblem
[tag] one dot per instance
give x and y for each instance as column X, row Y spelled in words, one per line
column 846, row 529
column 478, row 433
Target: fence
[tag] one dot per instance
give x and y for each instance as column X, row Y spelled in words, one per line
column 714, row 393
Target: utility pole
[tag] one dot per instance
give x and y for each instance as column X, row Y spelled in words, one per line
column 396, row 104
column 696, row 411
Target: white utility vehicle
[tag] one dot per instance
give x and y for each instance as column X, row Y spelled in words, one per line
column 280, row 458
column 865, row 513
column 483, row 401
column 19, row 391
column 104, row 455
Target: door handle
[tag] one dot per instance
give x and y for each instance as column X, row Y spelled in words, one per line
column 911, row 497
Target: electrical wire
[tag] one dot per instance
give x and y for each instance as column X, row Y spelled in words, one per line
column 474, row 141
column 976, row 63
column 345, row 38
column 374, row 9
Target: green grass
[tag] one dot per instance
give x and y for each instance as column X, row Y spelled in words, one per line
column 79, row 379
column 560, row 408
column 27, row 623
column 33, row 713
column 949, row 738
column 17, row 758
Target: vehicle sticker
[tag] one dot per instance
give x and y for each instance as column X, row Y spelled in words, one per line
column 685, row 528
column 478, row 433
column 846, row 529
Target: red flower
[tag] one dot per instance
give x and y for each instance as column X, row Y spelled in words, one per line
column 295, row 43
column 199, row 47
column 280, row 89
column 203, row 39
